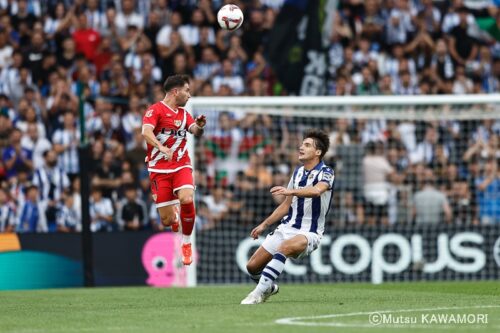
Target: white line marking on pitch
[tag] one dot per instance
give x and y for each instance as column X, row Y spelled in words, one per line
column 298, row 320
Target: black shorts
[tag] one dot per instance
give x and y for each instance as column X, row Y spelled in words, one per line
column 378, row 211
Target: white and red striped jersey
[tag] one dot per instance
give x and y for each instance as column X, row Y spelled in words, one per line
column 170, row 128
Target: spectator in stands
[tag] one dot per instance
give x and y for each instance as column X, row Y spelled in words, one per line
column 462, row 205
column 15, row 156
column 244, row 204
column 68, row 218
column 208, row 66
column 377, row 174
column 95, row 17
column 426, row 150
column 86, row 38
column 101, row 212
column 6, row 49
column 132, row 213
column 35, row 143
column 399, row 24
column 431, row 206
column 351, row 212
column 257, row 169
column 339, row 137
column 463, row 48
column 127, row 16
column 29, row 117
column 32, row 213
column 204, row 220
column 368, row 85
column 487, row 129
column 191, row 32
column 66, row 142
column 488, row 193
column 51, row 181
column 107, row 175
column 7, row 213
column 217, row 203
column 227, row 77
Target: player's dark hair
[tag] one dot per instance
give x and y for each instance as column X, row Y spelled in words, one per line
column 321, row 140
column 175, row 81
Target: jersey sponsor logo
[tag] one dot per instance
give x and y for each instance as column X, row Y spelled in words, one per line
column 149, row 113
column 177, row 133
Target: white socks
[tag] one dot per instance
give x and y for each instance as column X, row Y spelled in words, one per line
column 271, row 273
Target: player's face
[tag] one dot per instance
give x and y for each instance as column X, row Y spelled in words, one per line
column 183, row 95
column 308, row 151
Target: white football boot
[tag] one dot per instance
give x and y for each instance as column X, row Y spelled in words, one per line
column 253, row 298
column 273, row 291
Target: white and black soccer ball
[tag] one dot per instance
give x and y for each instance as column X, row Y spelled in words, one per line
column 230, row 17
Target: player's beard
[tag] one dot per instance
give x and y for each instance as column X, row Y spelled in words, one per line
column 182, row 102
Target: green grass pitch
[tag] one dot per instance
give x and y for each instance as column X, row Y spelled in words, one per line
column 345, row 307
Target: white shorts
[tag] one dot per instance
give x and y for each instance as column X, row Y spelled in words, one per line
column 284, row 232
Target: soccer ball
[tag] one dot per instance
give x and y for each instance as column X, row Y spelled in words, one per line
column 230, row 17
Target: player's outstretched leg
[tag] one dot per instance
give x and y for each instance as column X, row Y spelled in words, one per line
column 255, row 266
column 264, row 288
column 187, row 222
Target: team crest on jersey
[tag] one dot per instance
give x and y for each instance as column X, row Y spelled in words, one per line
column 177, row 123
column 154, row 197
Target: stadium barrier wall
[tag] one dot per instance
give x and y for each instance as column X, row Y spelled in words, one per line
column 34, row 261
column 367, row 254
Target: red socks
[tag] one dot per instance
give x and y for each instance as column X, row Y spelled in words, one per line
column 187, row 218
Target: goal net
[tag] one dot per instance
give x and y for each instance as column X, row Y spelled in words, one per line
column 417, row 188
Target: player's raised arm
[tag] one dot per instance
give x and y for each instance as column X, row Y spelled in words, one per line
column 306, row 192
column 198, row 126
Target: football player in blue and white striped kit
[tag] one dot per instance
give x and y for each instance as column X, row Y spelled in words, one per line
column 302, row 217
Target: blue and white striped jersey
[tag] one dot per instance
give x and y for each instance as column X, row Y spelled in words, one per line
column 7, row 217
column 309, row 214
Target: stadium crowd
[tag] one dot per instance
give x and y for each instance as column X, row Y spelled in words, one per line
column 116, row 54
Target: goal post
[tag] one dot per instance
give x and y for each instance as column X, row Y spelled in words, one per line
column 447, row 141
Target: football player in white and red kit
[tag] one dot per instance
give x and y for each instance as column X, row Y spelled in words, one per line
column 165, row 126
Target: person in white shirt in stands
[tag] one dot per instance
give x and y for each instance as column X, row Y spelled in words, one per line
column 66, row 142
column 31, row 140
column 377, row 174
column 128, row 16
column 101, row 212
column 229, row 78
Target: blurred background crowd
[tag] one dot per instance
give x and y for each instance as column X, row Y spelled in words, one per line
column 116, row 54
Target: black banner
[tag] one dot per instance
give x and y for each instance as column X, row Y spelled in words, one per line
column 297, row 47
column 368, row 254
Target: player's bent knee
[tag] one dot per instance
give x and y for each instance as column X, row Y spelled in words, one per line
column 252, row 268
column 186, row 199
column 285, row 249
column 167, row 221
